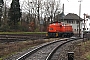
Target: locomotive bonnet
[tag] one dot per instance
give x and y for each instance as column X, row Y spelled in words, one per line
column 59, row 29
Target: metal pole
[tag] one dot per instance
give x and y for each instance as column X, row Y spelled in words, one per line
column 84, row 21
column 84, row 27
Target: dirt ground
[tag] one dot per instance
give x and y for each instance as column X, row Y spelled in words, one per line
column 81, row 50
column 8, row 49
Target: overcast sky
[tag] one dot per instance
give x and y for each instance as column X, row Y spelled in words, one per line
column 72, row 6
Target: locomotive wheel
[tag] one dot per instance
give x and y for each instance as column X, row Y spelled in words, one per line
column 64, row 35
column 68, row 35
column 52, row 35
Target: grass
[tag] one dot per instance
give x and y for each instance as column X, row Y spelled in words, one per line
column 22, row 32
column 1, row 59
column 11, row 48
column 88, row 57
column 85, row 50
column 8, row 49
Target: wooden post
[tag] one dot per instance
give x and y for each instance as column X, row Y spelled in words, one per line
column 70, row 55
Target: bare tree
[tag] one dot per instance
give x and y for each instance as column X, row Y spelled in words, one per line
column 33, row 9
column 51, row 8
column 40, row 10
column 5, row 12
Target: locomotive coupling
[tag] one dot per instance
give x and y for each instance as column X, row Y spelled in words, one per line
column 46, row 34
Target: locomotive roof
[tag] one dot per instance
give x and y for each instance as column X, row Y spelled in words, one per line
column 60, row 23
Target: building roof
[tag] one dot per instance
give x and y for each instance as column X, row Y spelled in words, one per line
column 69, row 16
column 72, row 16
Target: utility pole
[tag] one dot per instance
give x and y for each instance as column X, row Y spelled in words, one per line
column 63, row 12
column 79, row 16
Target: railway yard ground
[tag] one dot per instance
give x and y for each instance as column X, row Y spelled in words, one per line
column 8, row 49
column 81, row 50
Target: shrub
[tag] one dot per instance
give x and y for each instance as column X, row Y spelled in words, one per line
column 5, row 28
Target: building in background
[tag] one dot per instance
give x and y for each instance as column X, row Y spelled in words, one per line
column 86, row 23
column 72, row 19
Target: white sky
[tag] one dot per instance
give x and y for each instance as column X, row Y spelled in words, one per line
column 72, row 6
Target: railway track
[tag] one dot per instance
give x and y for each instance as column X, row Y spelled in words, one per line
column 47, row 51
column 19, row 37
column 60, row 51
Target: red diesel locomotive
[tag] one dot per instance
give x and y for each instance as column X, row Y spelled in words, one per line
column 59, row 29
